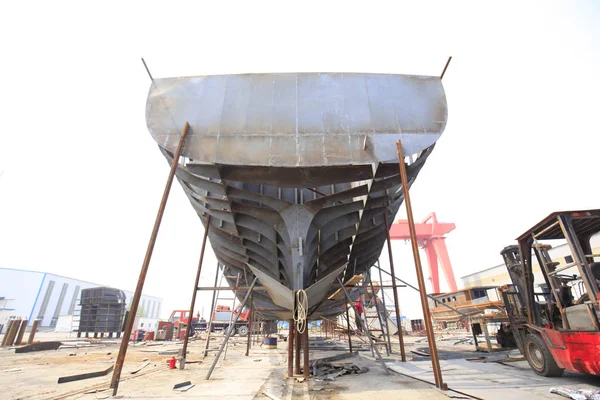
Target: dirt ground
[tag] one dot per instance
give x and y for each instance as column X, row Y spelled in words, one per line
column 35, row 375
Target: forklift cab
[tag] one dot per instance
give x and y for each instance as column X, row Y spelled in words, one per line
column 557, row 328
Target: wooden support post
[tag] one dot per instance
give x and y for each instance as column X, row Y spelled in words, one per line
column 437, row 372
column 349, row 330
column 12, row 334
column 194, row 292
column 291, row 334
column 21, row 333
column 144, row 270
column 306, row 365
column 395, row 290
column 487, row 336
column 7, row 329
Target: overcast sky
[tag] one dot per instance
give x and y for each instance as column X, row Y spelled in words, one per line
column 83, row 178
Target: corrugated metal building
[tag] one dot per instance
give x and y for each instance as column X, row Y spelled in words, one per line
column 46, row 296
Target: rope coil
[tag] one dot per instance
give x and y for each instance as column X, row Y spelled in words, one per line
column 301, row 309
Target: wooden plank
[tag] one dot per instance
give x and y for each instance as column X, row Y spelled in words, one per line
column 349, row 284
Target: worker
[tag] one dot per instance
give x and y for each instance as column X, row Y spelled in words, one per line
column 358, row 310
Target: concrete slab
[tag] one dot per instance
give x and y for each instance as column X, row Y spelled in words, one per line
column 495, row 381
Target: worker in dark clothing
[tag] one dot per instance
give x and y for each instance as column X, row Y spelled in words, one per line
column 358, row 310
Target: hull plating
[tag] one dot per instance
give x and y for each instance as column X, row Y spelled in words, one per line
column 296, row 171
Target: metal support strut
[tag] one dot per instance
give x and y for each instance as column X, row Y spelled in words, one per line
column 291, row 334
column 140, row 285
column 230, row 331
column 395, row 289
column 191, row 315
column 437, row 372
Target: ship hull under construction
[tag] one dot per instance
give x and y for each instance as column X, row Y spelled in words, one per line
column 297, row 172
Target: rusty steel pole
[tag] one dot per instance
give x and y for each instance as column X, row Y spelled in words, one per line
column 196, row 282
column 249, row 319
column 297, row 342
column 394, row 289
column 291, row 333
column 140, row 285
column 422, row 289
column 306, row 365
column 349, row 330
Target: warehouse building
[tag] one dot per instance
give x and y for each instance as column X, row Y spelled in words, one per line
column 46, row 296
column 498, row 275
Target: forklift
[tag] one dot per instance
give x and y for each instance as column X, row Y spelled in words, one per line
column 556, row 327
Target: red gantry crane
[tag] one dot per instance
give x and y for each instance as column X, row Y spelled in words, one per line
column 431, row 237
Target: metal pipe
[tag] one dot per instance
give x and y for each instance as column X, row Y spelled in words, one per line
column 387, row 325
column 140, row 285
column 387, row 349
column 250, row 312
column 394, row 289
column 406, row 284
column 212, row 310
column 349, row 330
column 415, row 248
column 195, row 291
column 445, row 67
column 306, row 366
column 234, row 288
column 230, row 331
column 291, row 333
column 373, row 346
column 147, row 70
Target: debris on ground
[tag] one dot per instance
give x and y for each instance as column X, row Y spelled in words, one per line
column 139, row 369
column 89, row 375
column 329, row 371
column 270, row 396
column 183, row 386
column 41, row 346
column 576, row 394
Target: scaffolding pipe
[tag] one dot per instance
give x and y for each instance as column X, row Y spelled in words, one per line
column 230, row 331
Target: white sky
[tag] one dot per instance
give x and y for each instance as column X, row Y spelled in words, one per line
column 83, row 178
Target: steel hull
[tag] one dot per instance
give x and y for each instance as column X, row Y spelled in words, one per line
column 296, row 171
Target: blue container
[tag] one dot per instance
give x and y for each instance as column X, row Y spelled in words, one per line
column 270, row 343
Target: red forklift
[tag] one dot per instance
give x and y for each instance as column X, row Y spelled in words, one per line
column 555, row 321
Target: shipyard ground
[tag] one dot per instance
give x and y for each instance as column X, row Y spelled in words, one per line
column 263, row 374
